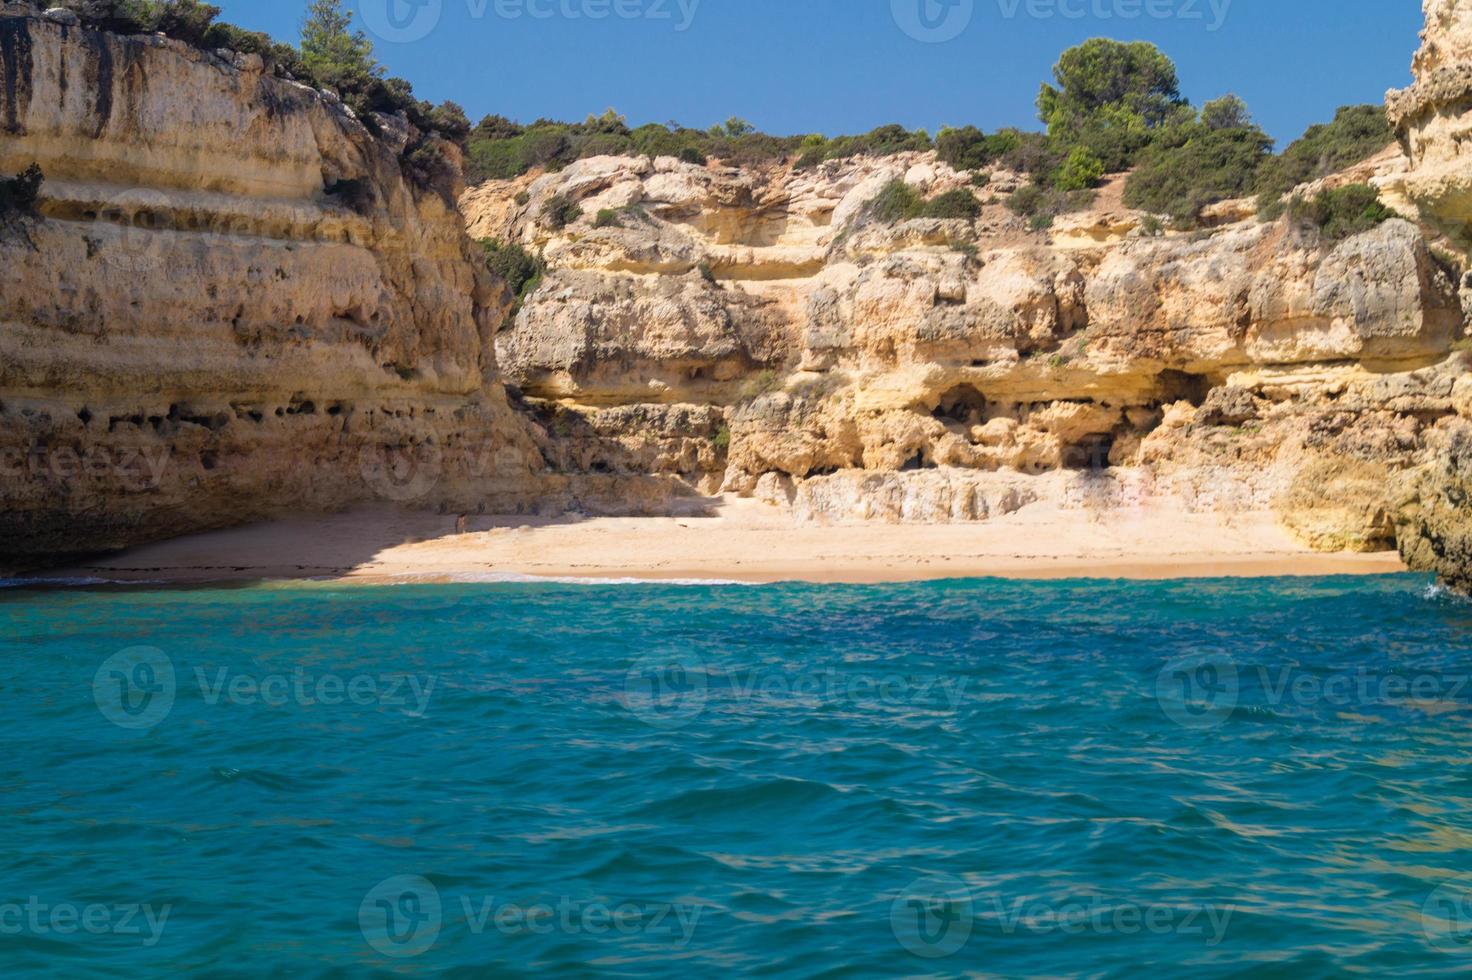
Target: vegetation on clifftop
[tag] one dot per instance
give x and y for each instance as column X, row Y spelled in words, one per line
column 332, row 55
column 1194, row 163
column 1342, row 212
column 500, row 149
column 899, row 201
column 1111, row 107
column 1357, row 133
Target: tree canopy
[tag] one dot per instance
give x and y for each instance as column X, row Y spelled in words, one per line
column 332, row 51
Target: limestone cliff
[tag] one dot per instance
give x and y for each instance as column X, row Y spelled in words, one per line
column 1434, row 119
column 235, row 301
column 760, row 332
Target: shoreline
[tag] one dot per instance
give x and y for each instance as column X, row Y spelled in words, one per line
column 745, row 542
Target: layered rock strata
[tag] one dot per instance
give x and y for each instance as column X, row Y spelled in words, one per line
column 759, row 332
column 1434, row 121
column 235, row 300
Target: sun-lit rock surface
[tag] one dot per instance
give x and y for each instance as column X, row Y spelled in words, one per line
column 923, row 371
column 196, row 331
column 1434, row 118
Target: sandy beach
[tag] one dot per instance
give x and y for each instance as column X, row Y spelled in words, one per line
column 735, row 540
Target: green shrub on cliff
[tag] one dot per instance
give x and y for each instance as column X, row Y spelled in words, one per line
column 559, row 211
column 968, row 148
column 1191, row 166
column 898, row 201
column 954, row 204
column 1080, row 171
column 1342, row 212
column 1357, row 133
column 18, row 194
column 190, row 21
column 522, row 270
column 1040, row 203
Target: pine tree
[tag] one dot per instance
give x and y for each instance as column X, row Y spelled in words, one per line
column 334, row 54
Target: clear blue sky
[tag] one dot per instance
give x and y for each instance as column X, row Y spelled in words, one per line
column 845, row 66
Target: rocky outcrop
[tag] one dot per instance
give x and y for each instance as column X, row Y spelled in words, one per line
column 236, row 300
column 1433, row 513
column 1434, row 120
column 936, row 370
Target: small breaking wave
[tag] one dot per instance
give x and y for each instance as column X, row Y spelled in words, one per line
column 1440, row 592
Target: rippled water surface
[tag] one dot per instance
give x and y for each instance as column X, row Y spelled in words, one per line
column 1252, row 778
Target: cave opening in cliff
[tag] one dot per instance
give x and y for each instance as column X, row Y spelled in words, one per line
column 1181, row 386
column 1089, row 454
column 920, row 461
column 963, row 405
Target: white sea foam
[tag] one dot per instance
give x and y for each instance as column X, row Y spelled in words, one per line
column 1437, row 590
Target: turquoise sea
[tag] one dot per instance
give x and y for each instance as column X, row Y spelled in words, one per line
column 1265, row 778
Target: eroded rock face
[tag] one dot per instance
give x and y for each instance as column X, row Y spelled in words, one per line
column 233, row 303
column 1433, row 512
column 927, row 371
column 1434, row 120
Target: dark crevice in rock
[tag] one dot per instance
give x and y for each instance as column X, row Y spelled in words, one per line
column 99, row 78
column 15, row 52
